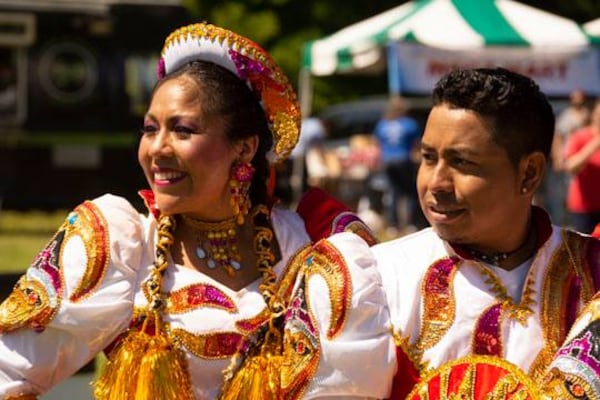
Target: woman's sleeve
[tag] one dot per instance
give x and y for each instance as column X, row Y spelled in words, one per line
column 575, row 370
column 337, row 335
column 73, row 300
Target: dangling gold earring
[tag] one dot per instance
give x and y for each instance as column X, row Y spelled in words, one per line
column 239, row 183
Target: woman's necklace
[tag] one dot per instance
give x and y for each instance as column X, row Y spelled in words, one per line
column 216, row 243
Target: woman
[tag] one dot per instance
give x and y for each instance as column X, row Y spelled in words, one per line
column 216, row 293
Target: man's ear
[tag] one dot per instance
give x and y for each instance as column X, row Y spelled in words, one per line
column 532, row 169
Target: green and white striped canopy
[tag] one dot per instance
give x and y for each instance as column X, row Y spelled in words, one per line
column 592, row 27
column 444, row 24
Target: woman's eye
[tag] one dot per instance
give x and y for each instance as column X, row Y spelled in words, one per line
column 182, row 129
column 147, row 129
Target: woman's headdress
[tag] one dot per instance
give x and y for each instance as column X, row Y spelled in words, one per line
column 250, row 63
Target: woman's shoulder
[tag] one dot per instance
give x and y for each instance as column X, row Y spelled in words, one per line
column 408, row 243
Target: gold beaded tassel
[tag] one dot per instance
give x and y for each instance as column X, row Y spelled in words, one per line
column 259, row 374
column 147, row 366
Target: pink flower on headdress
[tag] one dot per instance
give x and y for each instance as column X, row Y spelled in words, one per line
column 160, row 68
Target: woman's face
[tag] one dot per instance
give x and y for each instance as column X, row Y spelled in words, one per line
column 468, row 188
column 185, row 154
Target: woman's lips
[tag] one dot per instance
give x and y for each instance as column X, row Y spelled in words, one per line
column 165, row 178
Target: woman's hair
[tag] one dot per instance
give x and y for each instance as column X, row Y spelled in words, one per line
column 520, row 116
column 224, row 95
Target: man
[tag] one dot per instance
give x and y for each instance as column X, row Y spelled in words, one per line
column 492, row 279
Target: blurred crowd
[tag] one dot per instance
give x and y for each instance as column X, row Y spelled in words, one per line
column 374, row 172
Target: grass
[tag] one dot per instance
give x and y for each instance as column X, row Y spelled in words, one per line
column 23, row 235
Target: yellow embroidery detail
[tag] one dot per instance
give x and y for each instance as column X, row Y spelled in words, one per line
column 32, row 303
column 564, row 267
column 87, row 222
column 439, row 308
column 327, row 262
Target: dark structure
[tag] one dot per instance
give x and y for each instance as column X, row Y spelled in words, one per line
column 75, row 76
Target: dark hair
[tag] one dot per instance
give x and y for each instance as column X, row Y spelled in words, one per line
column 227, row 96
column 522, row 120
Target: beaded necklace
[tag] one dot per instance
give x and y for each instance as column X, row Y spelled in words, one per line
column 502, row 258
column 217, row 243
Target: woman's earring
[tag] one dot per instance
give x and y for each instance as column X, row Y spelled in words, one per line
column 239, row 184
column 523, row 190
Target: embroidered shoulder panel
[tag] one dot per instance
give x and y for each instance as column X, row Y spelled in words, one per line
column 349, row 222
column 567, row 283
column 37, row 295
column 575, row 371
column 326, row 261
column 87, row 222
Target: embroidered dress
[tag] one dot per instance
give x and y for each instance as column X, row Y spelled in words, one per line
column 445, row 306
column 85, row 289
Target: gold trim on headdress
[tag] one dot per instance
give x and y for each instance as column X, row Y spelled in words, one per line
column 249, row 62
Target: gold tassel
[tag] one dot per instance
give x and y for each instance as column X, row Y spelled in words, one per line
column 163, row 373
column 145, row 367
column 259, row 376
column 119, row 378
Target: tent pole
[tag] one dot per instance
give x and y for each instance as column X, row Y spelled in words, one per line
column 305, row 91
column 393, row 69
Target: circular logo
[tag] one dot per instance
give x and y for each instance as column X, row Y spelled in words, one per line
column 68, row 72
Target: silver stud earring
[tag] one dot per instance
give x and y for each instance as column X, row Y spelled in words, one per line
column 523, row 190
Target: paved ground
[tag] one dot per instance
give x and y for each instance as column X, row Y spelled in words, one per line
column 75, row 388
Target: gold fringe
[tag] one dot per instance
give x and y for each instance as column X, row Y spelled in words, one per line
column 259, row 376
column 119, row 378
column 163, row 373
column 144, row 367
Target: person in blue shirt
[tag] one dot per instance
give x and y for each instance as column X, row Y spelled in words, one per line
column 398, row 135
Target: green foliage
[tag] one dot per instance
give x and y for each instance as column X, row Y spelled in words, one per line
column 23, row 235
column 261, row 25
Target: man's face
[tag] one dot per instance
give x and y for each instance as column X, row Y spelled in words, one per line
column 468, row 188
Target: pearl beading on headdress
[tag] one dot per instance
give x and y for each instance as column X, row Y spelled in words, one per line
column 250, row 63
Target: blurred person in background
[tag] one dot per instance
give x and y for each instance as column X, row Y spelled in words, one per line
column 398, row 137
column 312, row 133
column 582, row 162
column 216, row 292
column 575, row 116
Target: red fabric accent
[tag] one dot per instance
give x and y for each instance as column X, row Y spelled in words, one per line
column 271, row 182
column 406, row 377
column 596, row 232
column 583, row 195
column 318, row 209
column 486, row 379
column 148, row 196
